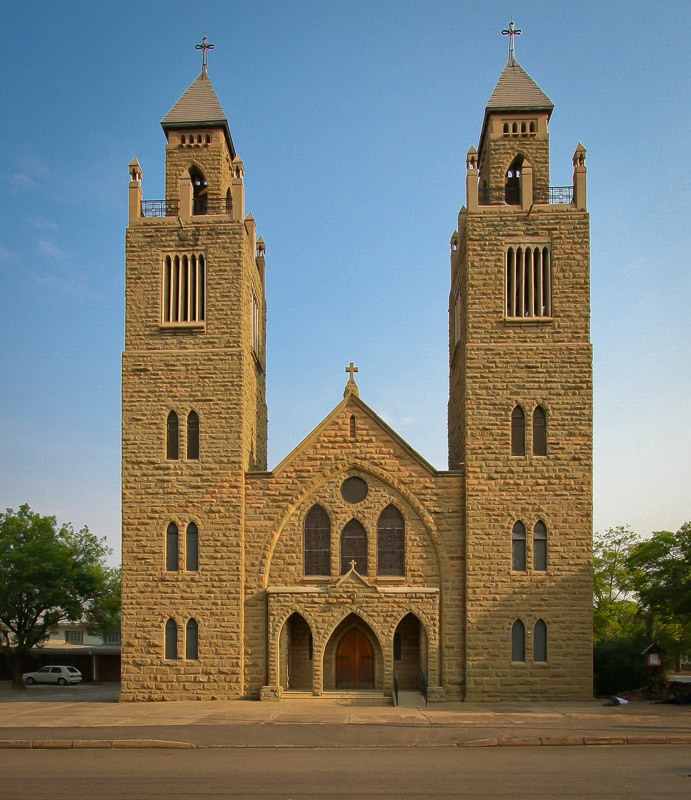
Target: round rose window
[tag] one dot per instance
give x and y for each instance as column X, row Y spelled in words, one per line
column 354, row 490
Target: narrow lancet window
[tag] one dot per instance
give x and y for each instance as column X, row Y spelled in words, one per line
column 391, row 542
column 172, row 547
column 192, row 548
column 192, row 640
column 540, row 641
column 193, row 436
column 354, row 547
column 518, row 432
column 539, row 432
column 518, row 547
column 171, row 640
column 317, row 541
column 518, row 641
column 540, row 547
column 172, row 437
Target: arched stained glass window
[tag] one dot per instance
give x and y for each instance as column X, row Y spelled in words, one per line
column 172, row 436
column 354, row 547
column 391, row 542
column 518, row 547
column 317, row 541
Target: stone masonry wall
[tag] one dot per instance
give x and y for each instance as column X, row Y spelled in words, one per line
column 498, row 364
column 180, row 368
column 277, row 504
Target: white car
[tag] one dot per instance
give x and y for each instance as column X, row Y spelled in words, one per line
column 53, row 674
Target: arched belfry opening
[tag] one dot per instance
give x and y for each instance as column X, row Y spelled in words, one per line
column 296, row 654
column 353, row 659
column 410, row 653
column 200, row 190
column 512, row 182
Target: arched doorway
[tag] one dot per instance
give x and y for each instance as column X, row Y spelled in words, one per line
column 354, row 661
column 296, row 654
column 353, row 657
column 410, row 652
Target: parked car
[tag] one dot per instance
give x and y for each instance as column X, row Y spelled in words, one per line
column 53, row 674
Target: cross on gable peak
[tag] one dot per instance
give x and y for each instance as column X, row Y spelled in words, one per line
column 351, row 386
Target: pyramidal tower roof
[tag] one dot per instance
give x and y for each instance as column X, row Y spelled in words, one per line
column 517, row 91
column 199, row 108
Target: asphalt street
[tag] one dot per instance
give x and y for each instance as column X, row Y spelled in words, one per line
column 498, row 773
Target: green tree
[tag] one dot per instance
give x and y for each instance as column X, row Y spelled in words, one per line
column 614, row 609
column 660, row 574
column 48, row 574
column 103, row 613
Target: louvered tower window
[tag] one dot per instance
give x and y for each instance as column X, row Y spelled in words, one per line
column 528, row 281
column 184, row 289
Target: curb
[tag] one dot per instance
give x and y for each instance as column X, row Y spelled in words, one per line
column 160, row 744
column 93, row 744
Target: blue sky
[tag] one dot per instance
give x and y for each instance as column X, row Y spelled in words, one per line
column 353, row 121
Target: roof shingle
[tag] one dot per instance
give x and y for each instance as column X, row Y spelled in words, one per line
column 517, row 90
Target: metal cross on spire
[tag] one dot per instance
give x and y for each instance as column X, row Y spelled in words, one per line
column 204, row 47
column 511, row 31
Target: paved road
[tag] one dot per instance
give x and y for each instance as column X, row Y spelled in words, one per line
column 498, row 773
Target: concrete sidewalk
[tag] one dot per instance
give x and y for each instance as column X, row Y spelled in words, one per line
column 91, row 716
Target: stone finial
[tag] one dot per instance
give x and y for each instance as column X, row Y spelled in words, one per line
column 135, row 170
column 261, row 247
column 579, row 178
column 238, row 168
column 579, row 156
column 351, row 386
column 471, row 160
column 454, row 242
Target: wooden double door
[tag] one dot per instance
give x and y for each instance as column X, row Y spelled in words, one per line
column 354, row 661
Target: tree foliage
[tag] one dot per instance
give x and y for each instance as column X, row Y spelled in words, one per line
column 615, row 610
column 660, row 574
column 48, row 574
column 102, row 614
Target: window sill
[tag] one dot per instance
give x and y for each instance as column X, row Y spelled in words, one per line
column 528, row 320
column 182, row 327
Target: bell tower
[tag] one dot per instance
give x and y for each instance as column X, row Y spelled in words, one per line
column 520, row 403
column 194, row 417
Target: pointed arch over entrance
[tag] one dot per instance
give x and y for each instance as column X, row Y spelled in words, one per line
column 353, row 658
column 410, row 652
column 296, row 654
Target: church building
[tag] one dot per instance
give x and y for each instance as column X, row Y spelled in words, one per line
column 354, row 565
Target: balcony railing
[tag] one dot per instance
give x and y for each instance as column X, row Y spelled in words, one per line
column 201, row 206
column 511, row 196
column 160, row 208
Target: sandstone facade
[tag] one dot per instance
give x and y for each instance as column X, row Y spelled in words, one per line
column 354, row 565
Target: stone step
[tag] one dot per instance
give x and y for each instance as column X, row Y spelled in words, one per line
column 374, row 698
